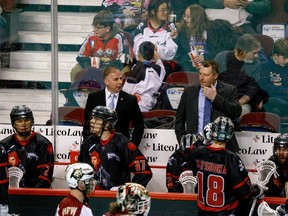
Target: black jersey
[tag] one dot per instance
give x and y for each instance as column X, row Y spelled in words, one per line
column 114, row 160
column 177, row 163
column 3, row 177
column 276, row 185
column 34, row 157
column 222, row 179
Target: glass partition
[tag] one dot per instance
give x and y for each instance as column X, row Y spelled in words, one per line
column 40, row 41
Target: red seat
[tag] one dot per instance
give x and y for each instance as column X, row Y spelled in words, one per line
column 267, row 43
column 183, row 77
column 70, row 115
column 260, row 121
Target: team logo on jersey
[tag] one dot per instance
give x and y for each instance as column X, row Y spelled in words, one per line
column 132, row 146
column 113, row 155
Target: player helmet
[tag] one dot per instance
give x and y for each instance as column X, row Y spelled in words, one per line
column 222, row 129
column 106, row 114
column 281, row 142
column 21, row 112
column 79, row 172
column 133, row 198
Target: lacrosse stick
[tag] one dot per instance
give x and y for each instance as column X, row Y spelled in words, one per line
column 265, row 210
column 15, row 175
column 265, row 170
column 188, row 181
column 187, row 140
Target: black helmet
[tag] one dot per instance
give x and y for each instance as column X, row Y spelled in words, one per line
column 21, row 112
column 281, row 140
column 106, row 114
column 222, row 129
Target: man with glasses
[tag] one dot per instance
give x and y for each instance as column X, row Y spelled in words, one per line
column 211, row 98
column 30, row 155
column 107, row 41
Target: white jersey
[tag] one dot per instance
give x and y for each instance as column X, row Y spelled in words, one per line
column 146, row 88
column 71, row 206
column 166, row 47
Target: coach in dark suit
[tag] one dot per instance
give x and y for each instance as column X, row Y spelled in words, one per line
column 126, row 106
column 223, row 99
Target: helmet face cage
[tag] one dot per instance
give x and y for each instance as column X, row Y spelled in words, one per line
column 106, row 114
column 80, row 172
column 222, row 129
column 280, row 141
column 133, row 198
column 21, row 112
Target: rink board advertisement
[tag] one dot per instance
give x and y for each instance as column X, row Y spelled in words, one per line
column 157, row 145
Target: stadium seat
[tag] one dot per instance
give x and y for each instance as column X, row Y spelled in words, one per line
column 69, row 115
column 183, row 77
column 267, row 43
column 260, row 121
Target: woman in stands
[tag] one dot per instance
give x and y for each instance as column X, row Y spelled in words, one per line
column 157, row 30
column 206, row 38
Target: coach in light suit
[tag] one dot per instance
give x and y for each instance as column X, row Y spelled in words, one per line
column 126, row 106
column 224, row 102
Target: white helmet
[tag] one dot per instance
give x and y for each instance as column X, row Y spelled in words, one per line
column 133, row 198
column 79, row 172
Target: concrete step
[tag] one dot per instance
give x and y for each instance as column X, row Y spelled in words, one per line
column 36, row 66
column 42, row 56
column 67, row 21
column 74, row 38
column 65, row 2
column 33, row 74
column 39, row 101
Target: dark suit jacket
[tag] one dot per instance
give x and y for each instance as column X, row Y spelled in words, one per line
column 225, row 104
column 127, row 110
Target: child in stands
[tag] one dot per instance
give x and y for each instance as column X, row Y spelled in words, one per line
column 146, row 77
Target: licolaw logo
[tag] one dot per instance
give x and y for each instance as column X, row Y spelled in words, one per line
column 162, row 147
column 264, row 138
column 252, row 151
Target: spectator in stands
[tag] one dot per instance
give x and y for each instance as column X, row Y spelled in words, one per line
column 131, row 199
column 275, row 79
column 220, row 99
column 246, row 50
column 32, row 150
column 146, row 77
column 278, row 186
column 4, row 182
column 79, row 177
column 243, row 62
column 239, row 13
column 221, row 36
column 125, row 105
column 159, row 31
column 118, row 156
column 128, row 13
column 107, row 41
column 207, row 38
column 192, row 37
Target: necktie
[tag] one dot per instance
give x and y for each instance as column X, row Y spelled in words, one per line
column 111, row 101
column 207, row 112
